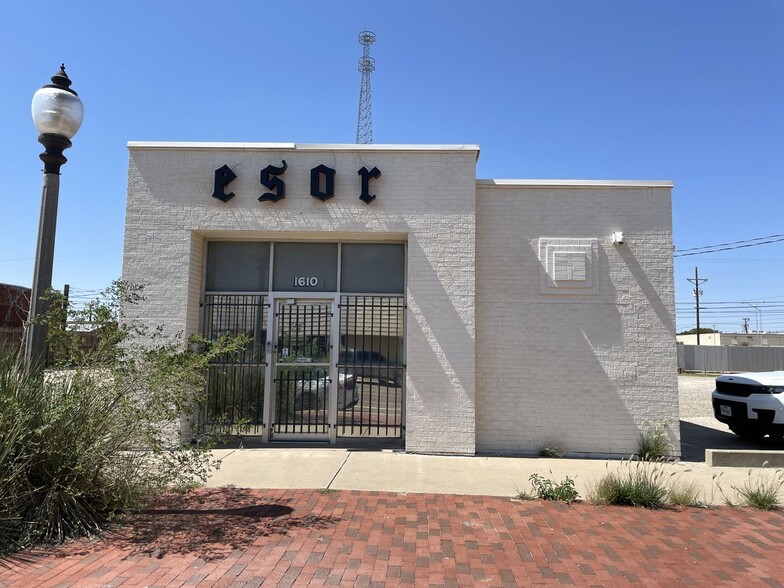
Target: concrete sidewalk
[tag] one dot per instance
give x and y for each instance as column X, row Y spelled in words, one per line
column 395, row 471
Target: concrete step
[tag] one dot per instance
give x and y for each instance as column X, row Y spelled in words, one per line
column 744, row 458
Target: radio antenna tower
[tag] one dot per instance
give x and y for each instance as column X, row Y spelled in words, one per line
column 366, row 66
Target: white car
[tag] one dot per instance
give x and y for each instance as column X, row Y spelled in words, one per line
column 371, row 364
column 751, row 403
column 312, row 394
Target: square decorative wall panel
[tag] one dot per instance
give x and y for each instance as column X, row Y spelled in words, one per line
column 568, row 266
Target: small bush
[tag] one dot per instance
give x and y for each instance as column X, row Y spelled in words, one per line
column 653, row 444
column 547, row 489
column 636, row 484
column 761, row 492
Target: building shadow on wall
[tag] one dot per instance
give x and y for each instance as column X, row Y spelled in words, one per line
column 436, row 328
column 664, row 315
column 549, row 386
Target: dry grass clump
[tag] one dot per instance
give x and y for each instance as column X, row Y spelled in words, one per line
column 645, row 484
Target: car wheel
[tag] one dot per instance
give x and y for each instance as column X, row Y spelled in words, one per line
column 747, row 433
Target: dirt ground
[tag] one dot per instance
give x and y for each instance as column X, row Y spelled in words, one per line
column 694, row 392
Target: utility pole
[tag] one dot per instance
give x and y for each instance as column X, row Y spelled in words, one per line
column 66, row 293
column 746, row 326
column 697, row 283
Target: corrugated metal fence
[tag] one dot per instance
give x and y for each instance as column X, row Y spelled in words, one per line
column 10, row 339
column 713, row 358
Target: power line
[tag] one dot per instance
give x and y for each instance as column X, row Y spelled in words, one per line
column 728, row 246
column 730, row 243
column 734, row 304
column 743, row 260
column 741, row 304
column 91, row 254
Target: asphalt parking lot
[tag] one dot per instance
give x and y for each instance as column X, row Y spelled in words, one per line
column 699, row 429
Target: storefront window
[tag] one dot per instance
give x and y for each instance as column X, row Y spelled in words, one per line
column 237, row 267
column 371, row 268
column 305, row 267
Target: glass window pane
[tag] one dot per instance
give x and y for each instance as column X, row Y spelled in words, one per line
column 305, row 267
column 373, row 268
column 237, row 267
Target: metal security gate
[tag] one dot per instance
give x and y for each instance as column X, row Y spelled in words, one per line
column 372, row 360
column 235, row 384
column 320, row 390
column 303, row 377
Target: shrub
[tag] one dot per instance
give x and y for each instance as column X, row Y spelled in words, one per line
column 635, row 484
column 547, row 489
column 653, row 444
column 82, row 445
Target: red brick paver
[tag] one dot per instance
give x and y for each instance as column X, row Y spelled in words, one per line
column 235, row 537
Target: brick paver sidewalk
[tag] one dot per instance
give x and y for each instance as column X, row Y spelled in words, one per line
column 235, row 537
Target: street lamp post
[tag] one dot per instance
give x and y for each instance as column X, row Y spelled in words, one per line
column 57, row 113
column 759, row 322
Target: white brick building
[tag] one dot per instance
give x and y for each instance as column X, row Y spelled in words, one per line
column 447, row 314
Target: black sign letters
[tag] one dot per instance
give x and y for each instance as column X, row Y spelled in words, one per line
column 322, row 183
column 275, row 184
column 366, row 175
column 329, row 182
column 223, row 177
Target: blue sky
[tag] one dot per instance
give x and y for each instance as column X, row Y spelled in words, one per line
column 688, row 91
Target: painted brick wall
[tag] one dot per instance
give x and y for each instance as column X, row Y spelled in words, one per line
column 425, row 197
column 584, row 370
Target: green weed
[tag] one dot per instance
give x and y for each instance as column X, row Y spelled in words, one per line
column 551, row 450
column 524, row 495
column 760, row 492
column 653, row 444
column 635, row 484
column 683, row 494
column 547, row 489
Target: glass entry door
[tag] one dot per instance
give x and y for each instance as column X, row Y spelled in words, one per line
column 302, row 378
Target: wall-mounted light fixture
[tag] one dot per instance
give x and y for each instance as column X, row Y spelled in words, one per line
column 618, row 238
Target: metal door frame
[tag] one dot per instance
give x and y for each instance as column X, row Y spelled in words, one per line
column 333, row 300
